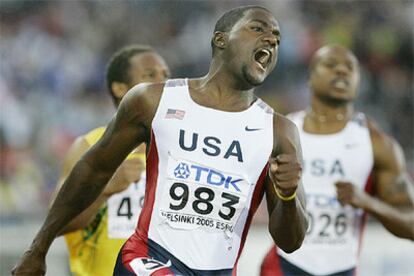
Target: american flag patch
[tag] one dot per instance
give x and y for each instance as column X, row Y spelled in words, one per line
column 175, row 114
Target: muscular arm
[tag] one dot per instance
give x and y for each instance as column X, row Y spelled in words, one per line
column 393, row 188
column 78, row 148
column 393, row 185
column 287, row 219
column 130, row 127
column 129, row 172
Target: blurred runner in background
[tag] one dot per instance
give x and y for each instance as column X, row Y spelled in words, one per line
column 351, row 168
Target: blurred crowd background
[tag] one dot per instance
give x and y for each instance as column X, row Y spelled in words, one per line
column 53, row 56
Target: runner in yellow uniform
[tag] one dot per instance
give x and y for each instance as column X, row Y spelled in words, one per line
column 96, row 235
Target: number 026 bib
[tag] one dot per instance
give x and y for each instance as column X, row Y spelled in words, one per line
column 329, row 222
column 198, row 196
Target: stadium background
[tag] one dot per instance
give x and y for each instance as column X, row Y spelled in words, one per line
column 53, row 56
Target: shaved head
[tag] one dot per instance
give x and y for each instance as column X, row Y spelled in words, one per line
column 325, row 50
column 334, row 75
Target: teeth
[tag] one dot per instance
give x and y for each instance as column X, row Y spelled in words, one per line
column 340, row 84
column 266, row 51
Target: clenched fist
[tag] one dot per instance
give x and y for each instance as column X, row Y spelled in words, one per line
column 285, row 171
column 348, row 193
column 128, row 172
column 31, row 263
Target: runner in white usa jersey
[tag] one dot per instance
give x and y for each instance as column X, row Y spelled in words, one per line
column 222, row 187
column 346, row 155
column 350, row 167
column 203, row 193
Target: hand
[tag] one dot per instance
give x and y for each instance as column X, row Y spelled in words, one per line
column 128, row 172
column 347, row 193
column 285, row 172
column 31, row 263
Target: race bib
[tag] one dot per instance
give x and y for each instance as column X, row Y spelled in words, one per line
column 197, row 196
column 124, row 209
column 329, row 222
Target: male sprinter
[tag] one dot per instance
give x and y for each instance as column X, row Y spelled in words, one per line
column 351, row 167
column 214, row 150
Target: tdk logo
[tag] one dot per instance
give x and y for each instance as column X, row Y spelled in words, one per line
column 182, row 171
column 206, row 175
column 322, row 201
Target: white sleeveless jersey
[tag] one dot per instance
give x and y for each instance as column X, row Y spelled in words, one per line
column 333, row 238
column 205, row 177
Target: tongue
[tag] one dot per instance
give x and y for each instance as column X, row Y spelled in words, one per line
column 262, row 57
